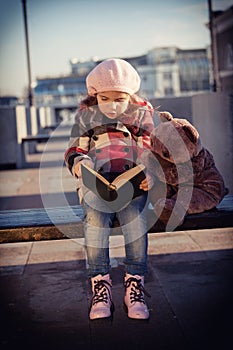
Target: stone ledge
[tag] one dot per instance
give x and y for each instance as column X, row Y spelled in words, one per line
column 67, row 222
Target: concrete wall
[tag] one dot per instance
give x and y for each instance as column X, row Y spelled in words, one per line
column 179, row 107
column 16, row 123
column 23, row 127
column 47, row 116
column 212, row 115
column 8, row 138
column 35, row 123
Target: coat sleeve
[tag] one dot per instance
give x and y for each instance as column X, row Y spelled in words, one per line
column 79, row 143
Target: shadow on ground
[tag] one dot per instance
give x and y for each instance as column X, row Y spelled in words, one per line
column 45, row 306
column 35, row 201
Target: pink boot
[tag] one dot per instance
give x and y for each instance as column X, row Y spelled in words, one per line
column 101, row 303
column 134, row 297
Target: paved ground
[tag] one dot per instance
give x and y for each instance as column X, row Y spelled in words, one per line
column 44, row 175
column 45, row 294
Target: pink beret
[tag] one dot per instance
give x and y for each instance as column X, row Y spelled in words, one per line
column 113, row 75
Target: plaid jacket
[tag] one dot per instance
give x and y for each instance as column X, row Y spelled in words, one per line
column 113, row 146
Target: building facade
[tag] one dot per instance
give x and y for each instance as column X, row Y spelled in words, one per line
column 167, row 71
column 58, row 91
column 171, row 71
column 222, row 27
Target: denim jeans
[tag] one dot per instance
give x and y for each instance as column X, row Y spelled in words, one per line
column 97, row 228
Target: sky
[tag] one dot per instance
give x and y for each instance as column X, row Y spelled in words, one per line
column 60, row 30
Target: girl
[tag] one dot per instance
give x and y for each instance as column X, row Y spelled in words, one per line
column 112, row 134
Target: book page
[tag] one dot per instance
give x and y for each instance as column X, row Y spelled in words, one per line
column 119, row 181
column 95, row 173
column 126, row 176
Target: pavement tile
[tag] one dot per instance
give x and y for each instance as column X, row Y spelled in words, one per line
column 55, row 251
column 14, row 257
column 46, row 307
column 200, row 293
column 171, row 242
column 221, row 238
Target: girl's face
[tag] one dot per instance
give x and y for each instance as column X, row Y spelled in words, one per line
column 113, row 103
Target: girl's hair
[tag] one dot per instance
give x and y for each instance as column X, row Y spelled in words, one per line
column 89, row 101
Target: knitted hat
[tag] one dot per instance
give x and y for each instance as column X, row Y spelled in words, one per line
column 113, row 75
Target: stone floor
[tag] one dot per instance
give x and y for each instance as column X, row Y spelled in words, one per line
column 45, row 295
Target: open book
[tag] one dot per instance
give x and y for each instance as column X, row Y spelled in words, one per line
column 124, row 187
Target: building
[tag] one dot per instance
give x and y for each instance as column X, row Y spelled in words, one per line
column 171, row 71
column 64, row 90
column 60, row 91
column 9, row 101
column 167, row 71
column 222, row 41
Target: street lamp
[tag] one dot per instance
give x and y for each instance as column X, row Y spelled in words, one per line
column 212, row 43
column 24, row 3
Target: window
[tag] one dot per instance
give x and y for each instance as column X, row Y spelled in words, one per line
column 167, row 76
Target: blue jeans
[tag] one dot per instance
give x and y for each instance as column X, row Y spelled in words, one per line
column 97, row 227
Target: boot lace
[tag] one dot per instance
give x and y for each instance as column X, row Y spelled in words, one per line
column 101, row 292
column 137, row 290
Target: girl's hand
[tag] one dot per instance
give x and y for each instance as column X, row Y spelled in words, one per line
column 147, row 183
column 77, row 167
